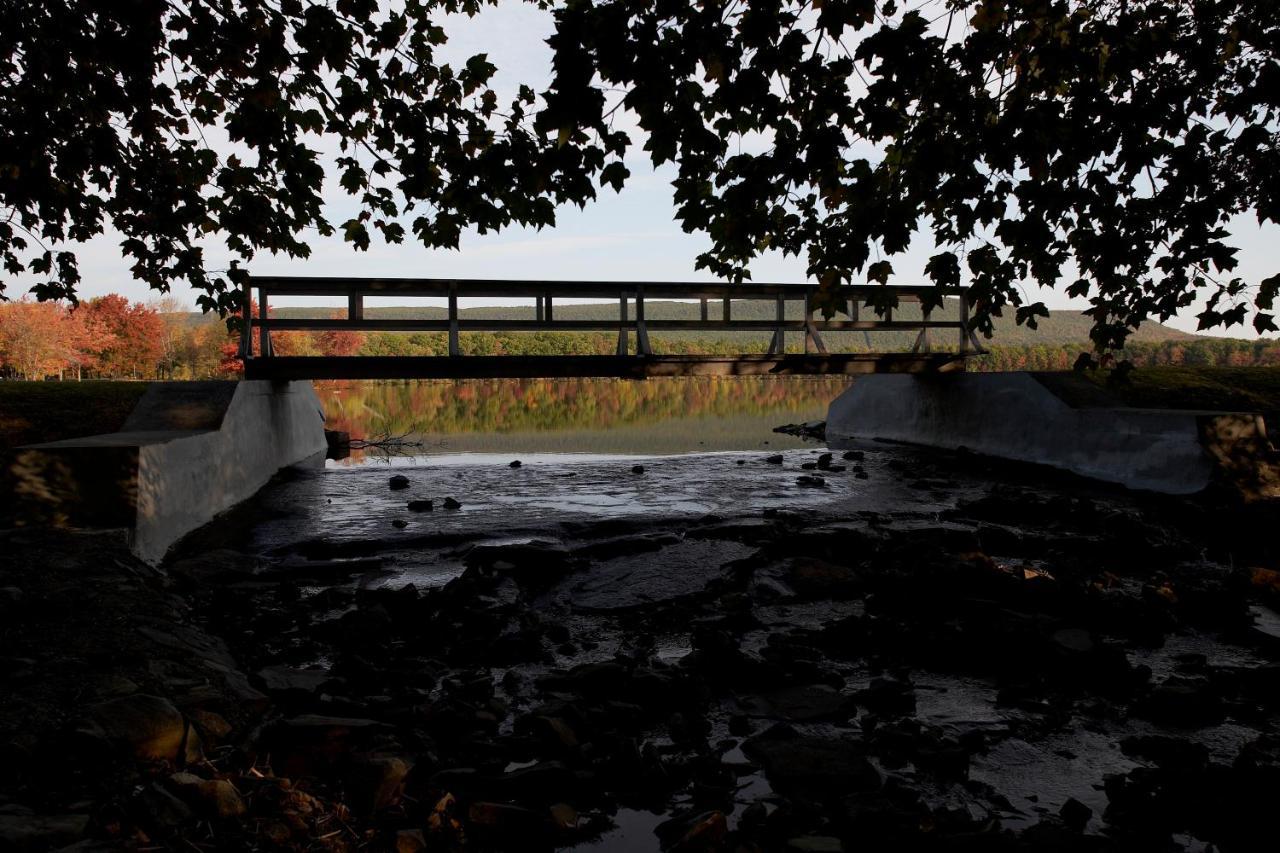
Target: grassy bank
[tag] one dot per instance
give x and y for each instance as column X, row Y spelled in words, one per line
column 1251, row 389
column 48, row 411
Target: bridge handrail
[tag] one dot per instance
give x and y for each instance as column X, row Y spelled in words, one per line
column 854, row 297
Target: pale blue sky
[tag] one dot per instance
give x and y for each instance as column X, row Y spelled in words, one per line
column 627, row 236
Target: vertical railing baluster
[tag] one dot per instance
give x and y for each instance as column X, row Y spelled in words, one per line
column 642, row 331
column 264, row 333
column 246, row 322
column 454, row 349
column 622, row 323
column 778, row 346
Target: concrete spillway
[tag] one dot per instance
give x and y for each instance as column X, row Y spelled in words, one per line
column 1024, row 417
column 189, row 451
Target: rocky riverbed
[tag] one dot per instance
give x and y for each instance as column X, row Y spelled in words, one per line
column 874, row 650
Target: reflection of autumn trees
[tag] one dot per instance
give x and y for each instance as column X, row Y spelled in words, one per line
column 511, row 405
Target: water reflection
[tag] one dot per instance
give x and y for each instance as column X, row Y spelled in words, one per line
column 657, row 416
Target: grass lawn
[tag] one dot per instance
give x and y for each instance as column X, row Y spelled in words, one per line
column 32, row 412
column 1247, row 389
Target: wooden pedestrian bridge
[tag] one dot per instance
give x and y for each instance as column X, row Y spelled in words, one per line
column 794, row 311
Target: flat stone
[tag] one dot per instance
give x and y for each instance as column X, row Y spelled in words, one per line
column 284, row 679
column 635, row 581
column 814, row 767
column 804, row 702
column 40, row 832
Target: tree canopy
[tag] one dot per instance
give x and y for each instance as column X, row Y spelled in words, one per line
column 1103, row 144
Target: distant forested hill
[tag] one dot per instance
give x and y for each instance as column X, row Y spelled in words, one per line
column 1061, row 327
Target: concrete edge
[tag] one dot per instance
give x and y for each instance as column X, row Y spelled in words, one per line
column 1014, row 416
column 162, row 484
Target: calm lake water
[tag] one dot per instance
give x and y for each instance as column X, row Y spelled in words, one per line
column 592, row 416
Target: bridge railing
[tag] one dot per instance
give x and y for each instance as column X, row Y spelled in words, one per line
column 858, row 302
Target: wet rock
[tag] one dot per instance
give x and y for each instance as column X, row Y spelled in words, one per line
column 504, row 824
column 815, row 844
column 625, row 546
column 824, row 461
column 542, row 784
column 450, row 503
column 410, row 841
column 515, row 463
column 811, row 577
column 399, row 523
column 376, row 782
column 1073, row 641
column 1182, row 702
column 853, row 456
column 811, row 481
column 211, row 798
column 285, row 679
column 888, row 696
column 212, row 726
column 1173, row 753
column 702, row 831
column 398, row 481
column 147, row 727
column 40, row 832
column 808, row 429
column 813, row 767
column 564, row 816
column 311, row 744
column 808, row 466
column 421, row 506
column 801, row 703
column 603, row 679
column 1075, row 814
column 159, row 810
column 216, row 566
column 775, row 459
column 637, row 469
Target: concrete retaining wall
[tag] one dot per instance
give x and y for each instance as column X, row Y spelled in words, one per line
column 188, row 452
column 1014, row 416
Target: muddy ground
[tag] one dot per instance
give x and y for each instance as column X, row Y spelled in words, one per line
column 1017, row 663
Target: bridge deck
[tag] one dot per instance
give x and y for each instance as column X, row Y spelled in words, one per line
column 622, row 367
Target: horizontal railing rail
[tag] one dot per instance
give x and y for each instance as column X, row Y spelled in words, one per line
column 858, row 302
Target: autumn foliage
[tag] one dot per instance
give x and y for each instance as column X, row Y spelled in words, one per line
column 111, row 337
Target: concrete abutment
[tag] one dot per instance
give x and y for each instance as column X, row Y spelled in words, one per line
column 189, row 451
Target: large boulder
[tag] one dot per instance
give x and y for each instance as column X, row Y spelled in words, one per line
column 148, row 728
